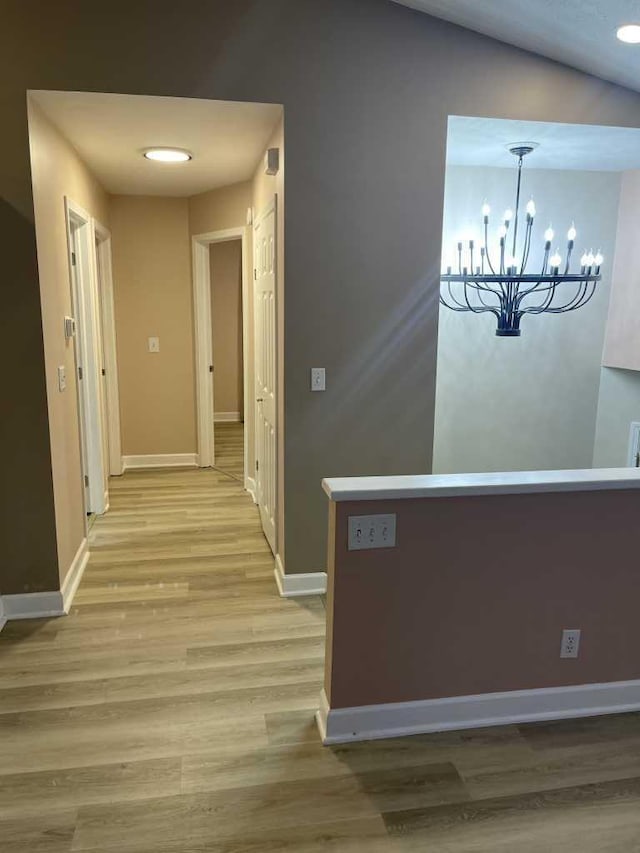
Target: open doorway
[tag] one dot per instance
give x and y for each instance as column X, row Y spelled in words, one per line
column 224, row 334
column 225, row 264
column 195, row 383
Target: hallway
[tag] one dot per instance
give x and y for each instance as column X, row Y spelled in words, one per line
column 172, row 712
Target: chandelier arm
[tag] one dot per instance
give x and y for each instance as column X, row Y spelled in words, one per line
column 537, row 289
column 455, row 299
column 466, row 310
column 569, row 253
column 576, row 302
column 486, row 290
column 527, row 247
column 544, row 305
column 466, row 307
column 486, row 248
column 483, row 287
column 444, row 302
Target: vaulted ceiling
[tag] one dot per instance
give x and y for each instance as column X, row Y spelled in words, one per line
column 579, row 33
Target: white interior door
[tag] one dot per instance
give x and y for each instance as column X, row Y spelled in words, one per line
column 264, row 316
column 82, row 261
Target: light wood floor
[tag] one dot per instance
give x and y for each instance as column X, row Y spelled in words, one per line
column 172, row 712
column 229, row 448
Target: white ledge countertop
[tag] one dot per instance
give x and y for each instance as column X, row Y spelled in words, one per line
column 457, row 485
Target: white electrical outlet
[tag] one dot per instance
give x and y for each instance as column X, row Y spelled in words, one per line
column 371, row 531
column 154, row 344
column 62, row 378
column 318, row 379
column 570, row 644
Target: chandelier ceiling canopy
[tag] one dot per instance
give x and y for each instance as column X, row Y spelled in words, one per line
column 479, row 283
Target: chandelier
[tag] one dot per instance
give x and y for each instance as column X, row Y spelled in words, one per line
column 503, row 287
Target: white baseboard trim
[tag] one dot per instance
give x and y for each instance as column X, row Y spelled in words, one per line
column 43, row 605
column 160, row 460
column 250, row 486
column 74, row 575
column 33, row 605
column 371, row 722
column 292, row 586
column 226, row 417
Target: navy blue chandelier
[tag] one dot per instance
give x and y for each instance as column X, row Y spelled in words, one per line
column 480, row 283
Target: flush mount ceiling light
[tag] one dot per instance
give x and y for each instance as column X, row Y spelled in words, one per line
column 629, row 33
column 168, row 155
column 497, row 281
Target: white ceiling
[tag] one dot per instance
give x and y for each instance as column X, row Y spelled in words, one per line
column 580, row 33
column 484, row 141
column 110, row 132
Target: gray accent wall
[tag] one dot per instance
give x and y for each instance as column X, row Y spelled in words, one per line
column 526, row 403
column 367, row 88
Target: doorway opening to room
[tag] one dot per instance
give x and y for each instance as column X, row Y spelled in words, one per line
column 222, row 340
column 172, row 215
column 537, row 279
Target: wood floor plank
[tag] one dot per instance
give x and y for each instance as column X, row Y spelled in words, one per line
column 252, row 809
column 32, row 794
column 173, row 710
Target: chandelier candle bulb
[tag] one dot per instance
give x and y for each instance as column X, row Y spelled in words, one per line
column 572, row 234
column 531, row 209
column 486, row 210
column 555, row 261
column 508, row 216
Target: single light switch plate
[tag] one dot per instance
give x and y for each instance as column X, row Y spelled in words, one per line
column 62, row 378
column 69, row 327
column 372, row 531
column 154, row 344
column 318, row 379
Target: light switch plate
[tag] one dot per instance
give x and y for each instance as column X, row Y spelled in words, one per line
column 318, row 379
column 154, row 344
column 372, row 531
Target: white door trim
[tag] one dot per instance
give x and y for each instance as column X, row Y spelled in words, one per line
column 204, row 341
column 103, row 252
column 86, row 307
column 270, row 208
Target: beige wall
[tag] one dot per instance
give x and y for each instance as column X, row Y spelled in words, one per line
column 226, row 314
column 58, row 171
column 264, row 188
column 433, row 617
column 622, row 340
column 365, row 176
column 220, row 209
column 153, row 298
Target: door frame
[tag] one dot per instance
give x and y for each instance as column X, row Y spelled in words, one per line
column 203, row 343
column 270, row 207
column 84, row 295
column 107, row 310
